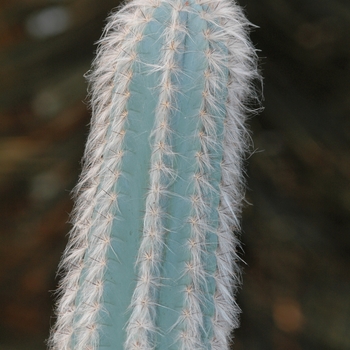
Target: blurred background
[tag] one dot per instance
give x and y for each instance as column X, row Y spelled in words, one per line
column 296, row 291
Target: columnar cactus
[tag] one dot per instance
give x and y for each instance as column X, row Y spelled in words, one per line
column 151, row 262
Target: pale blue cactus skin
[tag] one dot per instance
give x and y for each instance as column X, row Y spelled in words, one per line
column 151, row 260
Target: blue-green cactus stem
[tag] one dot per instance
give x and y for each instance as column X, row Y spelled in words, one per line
column 151, row 260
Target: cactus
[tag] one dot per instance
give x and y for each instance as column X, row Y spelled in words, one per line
column 151, row 262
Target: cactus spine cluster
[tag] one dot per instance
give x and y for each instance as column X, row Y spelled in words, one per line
column 151, row 261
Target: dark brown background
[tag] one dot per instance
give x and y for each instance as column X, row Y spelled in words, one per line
column 296, row 291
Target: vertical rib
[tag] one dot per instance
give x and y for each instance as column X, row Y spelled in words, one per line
column 84, row 259
column 141, row 329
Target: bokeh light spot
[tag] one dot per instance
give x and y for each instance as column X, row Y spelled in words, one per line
column 48, row 22
column 287, row 315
